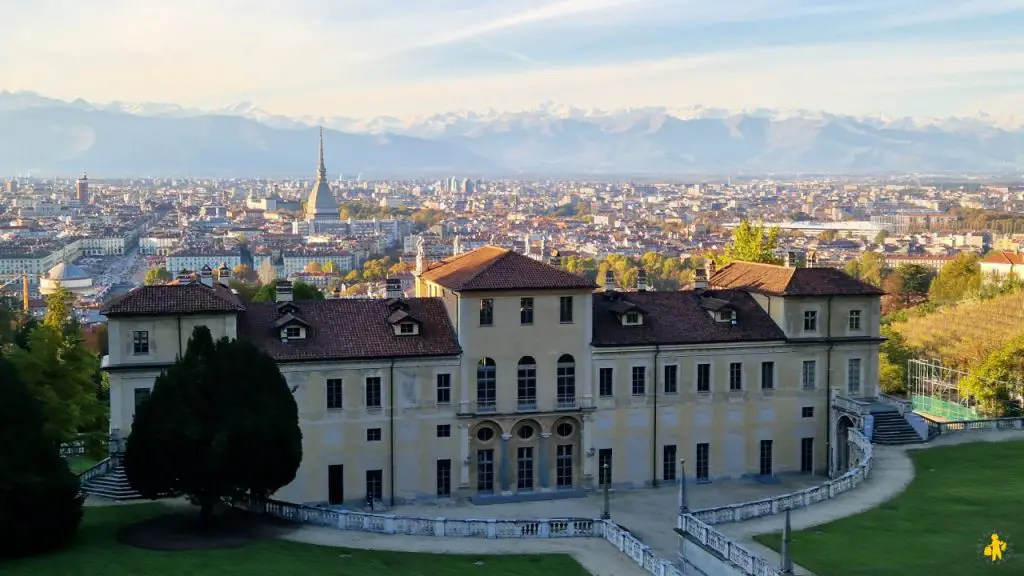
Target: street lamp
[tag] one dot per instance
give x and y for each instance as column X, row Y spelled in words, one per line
column 606, row 476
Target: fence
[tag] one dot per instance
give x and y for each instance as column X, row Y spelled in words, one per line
column 698, row 524
column 73, row 448
column 936, row 428
column 935, row 390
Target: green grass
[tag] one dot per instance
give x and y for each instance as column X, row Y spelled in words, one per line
column 97, row 553
column 940, row 525
column 79, row 464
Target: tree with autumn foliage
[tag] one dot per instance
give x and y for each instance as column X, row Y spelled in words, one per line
column 752, row 243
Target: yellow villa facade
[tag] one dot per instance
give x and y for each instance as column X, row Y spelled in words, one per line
column 506, row 378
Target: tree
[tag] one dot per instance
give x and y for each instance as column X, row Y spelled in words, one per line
column 300, row 291
column 989, row 384
column 266, row 272
column 61, row 372
column 39, row 498
column 881, row 236
column 245, row 273
column 869, row 267
column 752, row 243
column 893, row 356
column 159, row 275
column 957, row 279
column 908, row 283
column 221, row 422
column 352, row 277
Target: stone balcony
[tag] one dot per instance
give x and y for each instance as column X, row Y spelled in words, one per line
column 525, row 405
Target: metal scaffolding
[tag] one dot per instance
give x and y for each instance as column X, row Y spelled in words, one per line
column 935, row 390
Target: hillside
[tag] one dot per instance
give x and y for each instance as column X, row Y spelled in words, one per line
column 962, row 336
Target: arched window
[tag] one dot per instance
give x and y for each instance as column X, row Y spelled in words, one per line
column 486, row 385
column 527, row 388
column 566, row 391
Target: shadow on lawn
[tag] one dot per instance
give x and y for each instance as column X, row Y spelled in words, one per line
column 184, row 530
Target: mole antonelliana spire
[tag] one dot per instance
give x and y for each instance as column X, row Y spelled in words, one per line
column 321, row 206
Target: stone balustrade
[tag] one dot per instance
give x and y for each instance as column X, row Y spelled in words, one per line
column 936, row 428
column 851, row 405
column 637, row 550
column 101, row 468
column 698, row 524
column 904, row 405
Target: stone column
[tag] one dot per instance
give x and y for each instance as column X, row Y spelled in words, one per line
column 506, row 469
column 787, row 558
column 464, row 462
column 684, row 507
column 542, row 464
column 589, row 462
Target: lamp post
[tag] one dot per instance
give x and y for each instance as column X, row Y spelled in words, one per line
column 787, row 558
column 606, row 513
column 683, row 505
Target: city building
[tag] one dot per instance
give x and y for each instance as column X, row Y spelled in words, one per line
column 67, row 276
column 507, row 378
column 82, row 189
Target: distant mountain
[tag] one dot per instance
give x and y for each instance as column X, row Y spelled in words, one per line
column 48, row 135
column 71, row 138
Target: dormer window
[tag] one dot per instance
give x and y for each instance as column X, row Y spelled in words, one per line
column 408, row 329
column 726, row 315
column 632, row 319
column 293, row 332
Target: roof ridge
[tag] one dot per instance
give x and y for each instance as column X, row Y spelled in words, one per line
column 487, row 266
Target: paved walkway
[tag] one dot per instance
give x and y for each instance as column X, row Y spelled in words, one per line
column 892, row 473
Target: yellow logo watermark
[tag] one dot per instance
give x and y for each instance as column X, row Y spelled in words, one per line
column 994, row 550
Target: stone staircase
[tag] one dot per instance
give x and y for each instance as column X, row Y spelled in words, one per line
column 892, row 428
column 113, row 485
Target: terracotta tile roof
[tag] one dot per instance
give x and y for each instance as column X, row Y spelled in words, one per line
column 350, row 328
column 494, row 268
column 1005, row 257
column 784, row 281
column 194, row 298
column 679, row 318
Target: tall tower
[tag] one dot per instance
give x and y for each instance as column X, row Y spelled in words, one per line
column 82, row 189
column 321, row 206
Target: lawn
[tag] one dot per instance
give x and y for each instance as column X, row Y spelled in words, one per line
column 79, row 464
column 940, row 525
column 97, row 553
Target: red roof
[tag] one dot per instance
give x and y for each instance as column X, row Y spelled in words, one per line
column 787, row 281
column 1005, row 257
column 192, row 298
column 494, row 268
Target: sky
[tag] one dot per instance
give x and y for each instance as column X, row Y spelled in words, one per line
column 363, row 58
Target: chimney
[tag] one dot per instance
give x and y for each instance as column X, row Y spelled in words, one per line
column 812, row 260
column 790, row 261
column 206, row 276
column 184, row 277
column 224, row 275
column 609, row 281
column 394, row 288
column 700, row 279
column 712, row 268
column 641, row 280
column 556, row 259
column 284, row 291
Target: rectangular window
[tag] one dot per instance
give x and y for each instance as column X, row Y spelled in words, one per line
column 140, row 342
column 565, row 309
column 373, row 434
column 703, row 461
column 563, row 466
column 606, row 382
column 141, row 395
column 853, row 376
column 767, row 375
column 375, row 484
column 854, row 319
column 487, row 312
column 444, row 478
column 335, row 484
column 485, row 470
column 334, row 396
column 807, row 412
column 444, row 388
column 293, row 332
column 807, row 455
column 736, row 376
column 526, row 310
column 810, row 369
column 668, row 462
column 810, row 320
column 486, row 386
column 703, row 377
column 639, row 380
column 604, row 466
column 406, row 328
column 671, row 379
column 444, row 430
column 766, row 458
column 524, row 468
column 373, row 392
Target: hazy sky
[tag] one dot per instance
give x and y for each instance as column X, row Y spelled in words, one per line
column 370, row 57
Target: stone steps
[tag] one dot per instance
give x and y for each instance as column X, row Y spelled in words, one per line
column 890, row 428
column 113, row 485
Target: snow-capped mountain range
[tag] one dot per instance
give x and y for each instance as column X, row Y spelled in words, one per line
column 549, row 139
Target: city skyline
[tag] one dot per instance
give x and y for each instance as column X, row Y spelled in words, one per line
column 358, row 59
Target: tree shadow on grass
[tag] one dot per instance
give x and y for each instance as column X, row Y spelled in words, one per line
column 185, row 530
